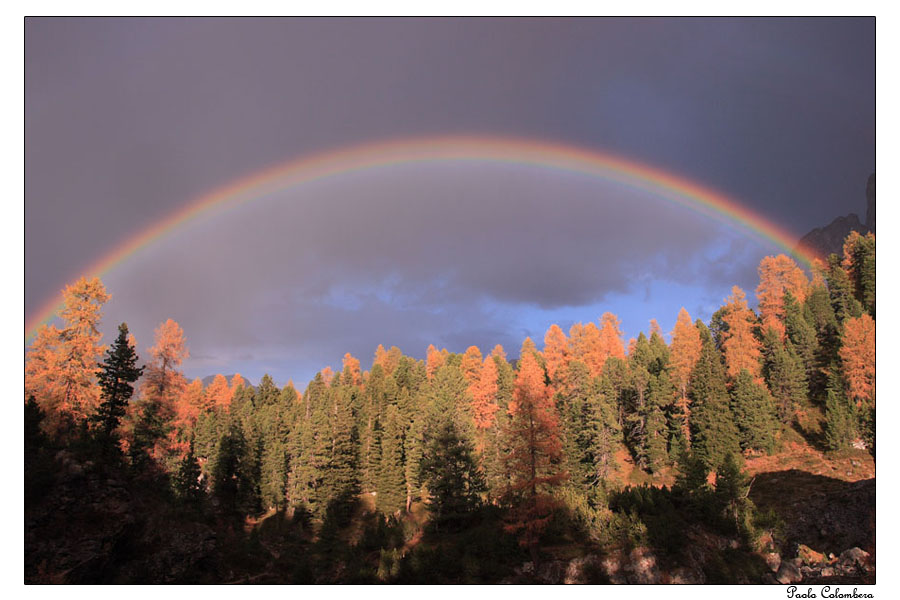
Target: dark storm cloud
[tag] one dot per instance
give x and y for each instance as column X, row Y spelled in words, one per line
column 129, row 119
column 408, row 256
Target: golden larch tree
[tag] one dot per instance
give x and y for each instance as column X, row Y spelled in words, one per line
column 858, row 359
column 555, row 353
column 327, row 375
column 352, row 372
column 81, row 346
column 498, row 352
column 610, row 344
column 484, row 402
column 740, row 346
column 535, row 454
column 218, row 394
column 433, row 361
column 686, row 346
column 777, row 275
column 470, row 365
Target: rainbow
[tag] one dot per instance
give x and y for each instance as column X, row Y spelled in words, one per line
column 441, row 149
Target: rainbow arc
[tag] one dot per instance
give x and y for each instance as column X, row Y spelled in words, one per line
column 535, row 153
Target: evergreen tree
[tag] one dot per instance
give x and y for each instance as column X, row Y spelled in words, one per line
column 732, row 494
column 117, row 375
column 801, row 334
column 843, row 297
column 754, row 412
column 859, row 263
column 341, row 481
column 187, row 482
column 840, row 417
column 786, row 377
column 713, row 428
column 453, row 480
column 391, row 496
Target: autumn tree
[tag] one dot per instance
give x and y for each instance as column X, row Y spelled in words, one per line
column 858, row 360
column 433, row 360
column 352, row 374
column 741, row 348
column 536, row 452
column 470, row 365
column 778, row 275
column 62, row 363
column 686, row 347
column 555, row 354
column 484, row 402
column 163, row 383
column 610, row 342
column 116, row 377
column 218, row 394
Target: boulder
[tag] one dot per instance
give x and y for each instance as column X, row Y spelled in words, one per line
column 788, row 573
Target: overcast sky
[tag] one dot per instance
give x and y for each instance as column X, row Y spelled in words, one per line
column 129, row 120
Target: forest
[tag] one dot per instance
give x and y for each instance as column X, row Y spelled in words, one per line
column 592, row 459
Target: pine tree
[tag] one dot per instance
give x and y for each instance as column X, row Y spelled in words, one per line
column 785, row 375
column 116, row 377
column 840, row 420
column 801, row 334
column 732, row 493
column 840, row 288
column 754, row 412
column 453, row 480
column 859, row 263
column 391, row 483
column 713, row 428
column 187, row 482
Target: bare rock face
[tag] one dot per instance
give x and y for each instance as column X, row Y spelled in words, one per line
column 830, row 239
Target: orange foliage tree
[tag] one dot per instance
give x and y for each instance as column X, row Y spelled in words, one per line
column 352, row 372
column 218, row 394
column 471, row 365
column 484, row 395
column 535, row 454
column 858, row 359
column 611, row 338
column 555, row 353
column 686, row 347
column 163, row 386
column 777, row 275
column 433, row 361
column 740, row 346
column 387, row 359
column 62, row 363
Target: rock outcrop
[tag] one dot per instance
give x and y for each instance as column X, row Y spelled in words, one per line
column 830, row 239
